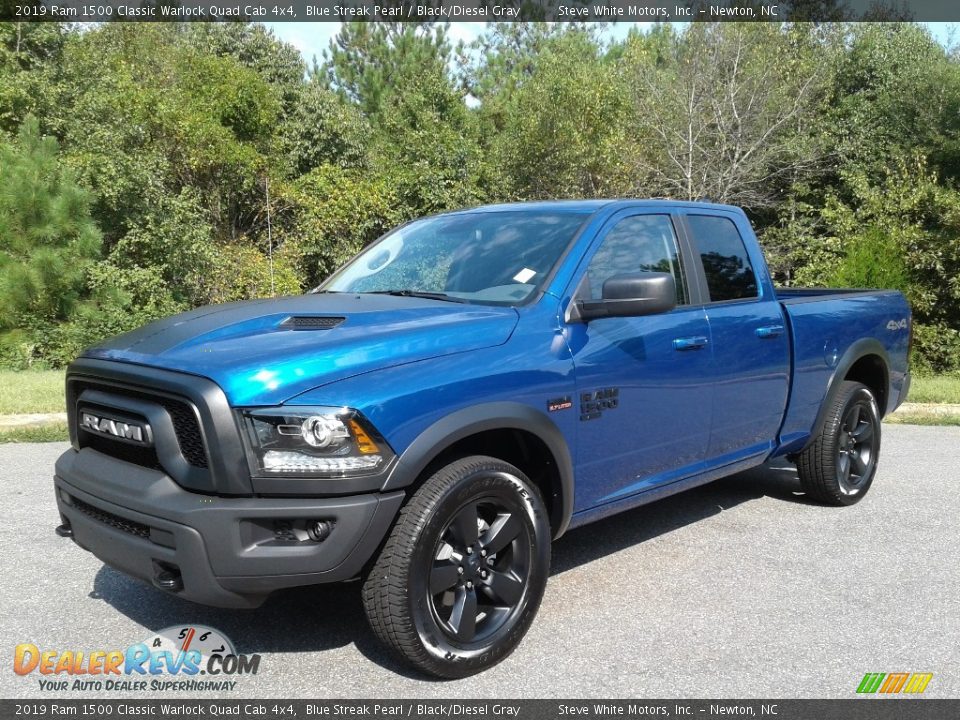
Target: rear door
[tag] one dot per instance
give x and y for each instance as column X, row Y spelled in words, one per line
column 751, row 347
column 643, row 383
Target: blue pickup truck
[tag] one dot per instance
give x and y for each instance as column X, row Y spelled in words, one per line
column 456, row 397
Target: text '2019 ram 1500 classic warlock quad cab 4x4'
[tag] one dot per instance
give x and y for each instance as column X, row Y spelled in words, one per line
column 457, row 396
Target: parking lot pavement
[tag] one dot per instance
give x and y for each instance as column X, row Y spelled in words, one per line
column 742, row 588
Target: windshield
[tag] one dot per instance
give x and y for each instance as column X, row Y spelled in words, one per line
column 485, row 257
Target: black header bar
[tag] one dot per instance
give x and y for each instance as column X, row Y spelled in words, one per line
column 479, row 10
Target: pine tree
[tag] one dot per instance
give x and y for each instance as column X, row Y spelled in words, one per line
column 47, row 238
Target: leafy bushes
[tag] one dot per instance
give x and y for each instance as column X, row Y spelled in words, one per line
column 149, row 168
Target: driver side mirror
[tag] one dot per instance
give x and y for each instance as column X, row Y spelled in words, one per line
column 629, row 295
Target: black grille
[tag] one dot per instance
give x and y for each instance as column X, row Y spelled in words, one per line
column 311, row 322
column 188, row 431
column 136, row 454
column 115, row 521
column 185, row 426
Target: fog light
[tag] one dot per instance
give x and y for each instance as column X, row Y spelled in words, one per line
column 319, row 530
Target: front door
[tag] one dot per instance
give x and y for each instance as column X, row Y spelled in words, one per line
column 644, row 390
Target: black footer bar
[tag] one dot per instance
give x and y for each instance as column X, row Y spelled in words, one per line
column 872, row 708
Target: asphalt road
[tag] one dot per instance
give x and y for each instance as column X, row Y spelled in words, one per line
column 742, row 588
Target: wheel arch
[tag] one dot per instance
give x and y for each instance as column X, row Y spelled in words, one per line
column 865, row 361
column 513, row 432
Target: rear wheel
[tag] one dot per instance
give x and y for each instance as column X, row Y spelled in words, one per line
column 461, row 576
column 839, row 466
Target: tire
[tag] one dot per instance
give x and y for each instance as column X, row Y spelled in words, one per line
column 461, row 576
column 839, row 465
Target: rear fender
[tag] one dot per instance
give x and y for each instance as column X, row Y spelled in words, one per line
column 860, row 349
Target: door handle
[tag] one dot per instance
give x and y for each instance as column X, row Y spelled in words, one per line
column 690, row 343
column 769, row 331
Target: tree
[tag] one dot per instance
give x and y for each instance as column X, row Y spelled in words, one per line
column 895, row 92
column 277, row 63
column 900, row 232
column 175, row 142
column 47, row 237
column 324, row 128
column 720, row 111
column 29, row 56
column 505, row 57
column 338, row 211
column 566, row 129
column 369, row 61
column 428, row 145
column 425, row 138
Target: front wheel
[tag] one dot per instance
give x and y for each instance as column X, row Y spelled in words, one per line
column 461, row 576
column 839, row 465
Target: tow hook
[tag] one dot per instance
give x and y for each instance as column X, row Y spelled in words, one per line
column 169, row 580
column 64, row 530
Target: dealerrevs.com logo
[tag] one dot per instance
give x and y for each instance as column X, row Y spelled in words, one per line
column 179, row 658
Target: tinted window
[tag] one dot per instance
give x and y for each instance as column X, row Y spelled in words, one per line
column 729, row 273
column 641, row 243
column 496, row 257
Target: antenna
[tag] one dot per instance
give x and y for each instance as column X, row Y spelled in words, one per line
column 266, row 184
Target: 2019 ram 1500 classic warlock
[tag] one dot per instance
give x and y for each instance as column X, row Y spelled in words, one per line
column 456, row 397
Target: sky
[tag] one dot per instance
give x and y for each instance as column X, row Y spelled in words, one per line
column 312, row 38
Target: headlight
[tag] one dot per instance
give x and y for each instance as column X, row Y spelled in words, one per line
column 312, row 442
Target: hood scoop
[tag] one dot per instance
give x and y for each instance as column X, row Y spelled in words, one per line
column 311, row 322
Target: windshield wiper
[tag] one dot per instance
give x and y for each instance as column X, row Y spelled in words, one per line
column 419, row 294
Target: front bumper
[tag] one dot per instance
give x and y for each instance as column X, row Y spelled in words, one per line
column 221, row 551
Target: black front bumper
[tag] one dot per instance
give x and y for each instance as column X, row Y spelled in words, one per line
column 223, row 551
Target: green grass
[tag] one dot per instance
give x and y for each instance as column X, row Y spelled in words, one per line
column 938, row 389
column 901, row 419
column 31, row 391
column 55, row 432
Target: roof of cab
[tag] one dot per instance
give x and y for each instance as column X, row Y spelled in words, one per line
column 590, row 206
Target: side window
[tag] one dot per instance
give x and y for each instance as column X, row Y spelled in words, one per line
column 729, row 273
column 640, row 243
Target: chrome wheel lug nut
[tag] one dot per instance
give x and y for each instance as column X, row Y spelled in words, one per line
column 483, row 552
column 460, row 570
column 469, row 585
column 470, row 550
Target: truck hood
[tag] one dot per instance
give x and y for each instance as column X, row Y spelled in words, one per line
column 265, row 352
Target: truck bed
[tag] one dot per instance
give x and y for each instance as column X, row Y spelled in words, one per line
column 795, row 295
column 828, row 326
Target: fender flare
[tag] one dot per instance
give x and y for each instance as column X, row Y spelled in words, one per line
column 860, row 349
column 479, row 418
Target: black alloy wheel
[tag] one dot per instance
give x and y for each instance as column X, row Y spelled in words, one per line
column 856, row 448
column 839, row 465
column 481, row 570
column 461, row 576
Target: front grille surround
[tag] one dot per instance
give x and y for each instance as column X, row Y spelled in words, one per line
column 185, row 424
column 202, row 412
